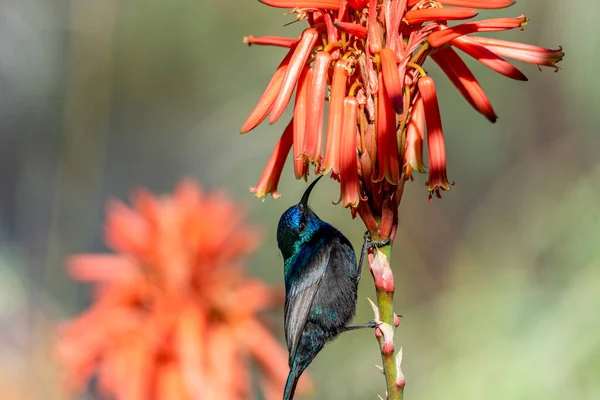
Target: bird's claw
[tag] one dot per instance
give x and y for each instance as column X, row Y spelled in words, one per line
column 373, row 324
column 371, row 244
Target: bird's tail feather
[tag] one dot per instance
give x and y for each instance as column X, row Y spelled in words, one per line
column 292, row 381
column 312, row 341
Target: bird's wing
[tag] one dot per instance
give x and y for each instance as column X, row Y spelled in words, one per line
column 300, row 297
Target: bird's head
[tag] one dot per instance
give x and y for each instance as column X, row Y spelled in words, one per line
column 297, row 225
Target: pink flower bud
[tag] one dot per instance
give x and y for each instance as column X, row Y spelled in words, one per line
column 382, row 273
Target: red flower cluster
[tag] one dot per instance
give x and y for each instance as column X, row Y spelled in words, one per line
column 174, row 316
column 367, row 57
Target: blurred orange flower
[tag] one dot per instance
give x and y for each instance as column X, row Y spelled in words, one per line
column 174, row 316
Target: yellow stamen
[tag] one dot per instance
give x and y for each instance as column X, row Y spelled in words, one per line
column 418, row 68
column 354, row 87
column 333, row 45
column 416, row 58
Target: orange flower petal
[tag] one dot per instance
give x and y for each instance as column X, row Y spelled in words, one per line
column 137, row 377
column 170, row 384
column 435, row 138
column 375, row 36
column 270, row 177
column 265, row 103
column 333, row 35
column 100, row 267
column 441, row 37
column 334, row 122
column 79, row 343
column 149, row 207
column 271, row 390
column 522, row 52
column 417, row 17
column 269, row 354
column 488, row 58
column 126, row 231
column 253, row 296
column 356, row 4
column 387, row 148
column 80, row 367
column 190, row 349
column 108, row 381
column 350, row 195
column 484, row 4
column 223, row 361
column 367, row 216
column 324, row 4
column 187, row 196
column 413, row 156
column 460, row 75
column 270, row 41
column 297, row 63
column 316, row 107
column 352, row 29
column 126, row 369
column 366, row 167
column 300, row 114
column 391, row 78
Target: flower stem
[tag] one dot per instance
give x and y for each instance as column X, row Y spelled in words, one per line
column 385, row 296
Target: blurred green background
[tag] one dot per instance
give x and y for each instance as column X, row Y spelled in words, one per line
column 499, row 282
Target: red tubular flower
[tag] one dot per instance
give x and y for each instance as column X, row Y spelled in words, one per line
column 391, row 78
column 352, row 29
column 416, row 17
column 387, row 149
column 297, row 62
column 488, row 58
column 334, row 124
column 470, row 3
column 173, row 309
column 373, row 51
column 435, row 138
column 314, row 4
column 357, row 4
column 350, row 195
column 316, row 107
column 265, row 104
column 522, row 52
column 333, row 34
column 270, row 178
column 466, row 83
column 300, row 115
column 270, row 41
column 413, row 155
column 440, row 38
column 374, row 29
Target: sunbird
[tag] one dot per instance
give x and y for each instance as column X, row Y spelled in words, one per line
column 321, row 284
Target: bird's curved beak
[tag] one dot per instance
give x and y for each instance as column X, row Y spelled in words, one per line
column 304, row 201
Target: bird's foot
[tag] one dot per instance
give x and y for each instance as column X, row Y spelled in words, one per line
column 371, row 244
column 370, row 324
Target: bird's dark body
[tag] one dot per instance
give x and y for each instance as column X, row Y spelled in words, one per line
column 321, row 280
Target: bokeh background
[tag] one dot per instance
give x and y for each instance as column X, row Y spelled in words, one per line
column 498, row 283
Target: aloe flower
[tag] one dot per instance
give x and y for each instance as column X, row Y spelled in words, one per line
column 367, row 58
column 174, row 315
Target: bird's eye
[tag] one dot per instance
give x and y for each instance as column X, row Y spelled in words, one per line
column 301, row 227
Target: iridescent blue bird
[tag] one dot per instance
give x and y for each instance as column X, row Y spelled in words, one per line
column 321, row 282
